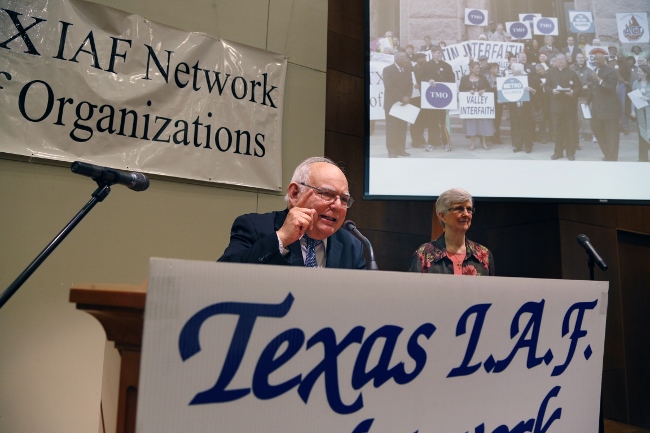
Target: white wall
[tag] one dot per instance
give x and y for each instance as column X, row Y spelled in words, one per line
column 51, row 356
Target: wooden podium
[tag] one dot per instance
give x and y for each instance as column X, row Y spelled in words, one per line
column 120, row 310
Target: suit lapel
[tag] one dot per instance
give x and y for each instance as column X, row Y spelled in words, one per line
column 334, row 248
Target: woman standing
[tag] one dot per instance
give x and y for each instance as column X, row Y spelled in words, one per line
column 473, row 83
column 453, row 253
column 642, row 115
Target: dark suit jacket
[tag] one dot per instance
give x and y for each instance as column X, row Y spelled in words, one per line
column 253, row 240
column 566, row 78
column 397, row 85
column 440, row 71
column 576, row 51
column 604, row 102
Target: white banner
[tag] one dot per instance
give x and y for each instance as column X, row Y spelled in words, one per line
column 476, row 106
column 633, row 27
column 378, row 62
column 476, row 17
column 81, row 81
column 458, row 55
column 247, row 348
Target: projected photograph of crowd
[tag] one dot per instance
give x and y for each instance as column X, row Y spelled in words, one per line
column 509, row 80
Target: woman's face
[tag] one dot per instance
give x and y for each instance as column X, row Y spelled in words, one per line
column 476, row 69
column 494, row 71
column 535, row 44
column 456, row 220
column 642, row 75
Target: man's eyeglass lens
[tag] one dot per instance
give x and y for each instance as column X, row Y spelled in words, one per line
column 329, row 196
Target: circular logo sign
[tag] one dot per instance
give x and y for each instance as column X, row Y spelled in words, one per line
column 512, row 89
column 519, row 30
column 439, row 96
column 545, row 26
column 529, row 17
column 581, row 22
column 476, row 17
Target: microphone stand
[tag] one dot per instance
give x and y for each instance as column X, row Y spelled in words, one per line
column 103, row 189
column 601, row 424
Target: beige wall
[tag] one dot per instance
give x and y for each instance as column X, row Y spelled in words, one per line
column 51, row 356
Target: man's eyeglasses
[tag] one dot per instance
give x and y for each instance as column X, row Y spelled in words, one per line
column 459, row 209
column 329, row 196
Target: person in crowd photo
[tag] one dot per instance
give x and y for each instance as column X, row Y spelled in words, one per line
column 548, row 48
column 623, row 87
column 491, row 29
column 582, row 42
column 605, row 109
column 398, row 88
column 498, row 106
column 642, row 115
column 542, row 107
column 543, row 60
column 499, row 35
column 473, row 83
column 423, row 121
column 522, row 122
column 428, row 45
column 571, row 50
column 564, row 86
column 532, row 51
column 438, row 70
column 452, row 252
column 385, row 44
column 584, row 73
column 307, row 232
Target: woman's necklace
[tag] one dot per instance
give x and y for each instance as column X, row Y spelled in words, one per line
column 456, row 258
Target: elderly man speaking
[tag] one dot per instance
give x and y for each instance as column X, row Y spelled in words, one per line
column 307, row 232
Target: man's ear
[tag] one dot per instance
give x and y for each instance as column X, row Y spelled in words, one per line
column 293, row 191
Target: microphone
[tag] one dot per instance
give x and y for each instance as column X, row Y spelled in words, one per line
column 135, row 181
column 349, row 225
column 583, row 240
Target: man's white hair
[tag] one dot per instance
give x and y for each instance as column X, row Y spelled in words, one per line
column 303, row 171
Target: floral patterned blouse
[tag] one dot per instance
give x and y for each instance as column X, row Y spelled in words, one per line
column 432, row 258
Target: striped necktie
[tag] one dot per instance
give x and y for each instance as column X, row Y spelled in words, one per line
column 310, row 259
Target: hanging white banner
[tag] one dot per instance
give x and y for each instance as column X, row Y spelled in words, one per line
column 247, row 348
column 81, row 81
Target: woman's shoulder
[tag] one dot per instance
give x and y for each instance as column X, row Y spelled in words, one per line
column 475, row 246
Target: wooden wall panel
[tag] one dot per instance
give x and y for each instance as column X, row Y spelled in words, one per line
column 633, row 218
column 614, row 396
column 348, row 51
column 526, row 250
column 599, row 215
column 574, row 267
column 344, row 103
column 393, row 251
column 346, row 18
column 634, row 250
